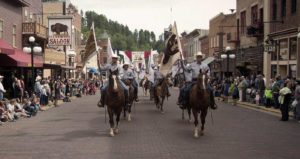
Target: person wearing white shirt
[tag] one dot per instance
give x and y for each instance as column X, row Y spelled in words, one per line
column 2, row 90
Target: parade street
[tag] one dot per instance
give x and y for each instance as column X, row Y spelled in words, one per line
column 77, row 130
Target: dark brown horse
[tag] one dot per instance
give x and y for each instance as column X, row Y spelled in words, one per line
column 131, row 98
column 199, row 101
column 160, row 93
column 115, row 100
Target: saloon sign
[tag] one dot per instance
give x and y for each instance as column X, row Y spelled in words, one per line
column 60, row 30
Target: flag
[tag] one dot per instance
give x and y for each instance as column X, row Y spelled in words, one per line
column 126, row 58
column 173, row 52
column 110, row 51
column 91, row 46
column 150, row 64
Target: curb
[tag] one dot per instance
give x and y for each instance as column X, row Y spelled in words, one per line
column 254, row 106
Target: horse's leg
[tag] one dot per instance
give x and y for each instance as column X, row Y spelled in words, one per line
column 111, row 122
column 116, row 129
column 124, row 111
column 189, row 109
column 196, row 131
column 203, row 116
column 129, row 111
column 161, row 105
column 182, row 114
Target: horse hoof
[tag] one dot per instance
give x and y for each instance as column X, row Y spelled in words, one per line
column 111, row 133
column 202, row 133
column 116, row 131
column 196, row 136
column 129, row 117
column 190, row 121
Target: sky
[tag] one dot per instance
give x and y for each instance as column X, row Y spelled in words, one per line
column 155, row 15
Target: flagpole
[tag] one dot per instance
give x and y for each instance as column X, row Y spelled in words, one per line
column 180, row 50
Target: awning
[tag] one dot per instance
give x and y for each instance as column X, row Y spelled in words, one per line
column 51, row 66
column 19, row 59
column 208, row 60
column 6, row 48
column 68, row 67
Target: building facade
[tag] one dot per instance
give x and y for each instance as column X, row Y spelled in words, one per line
column 283, row 36
column 250, row 25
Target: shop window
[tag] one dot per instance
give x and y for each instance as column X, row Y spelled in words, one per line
column 283, row 49
column 292, row 71
column 274, row 56
column 293, row 48
column 273, row 71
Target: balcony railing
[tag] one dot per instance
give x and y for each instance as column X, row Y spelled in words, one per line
column 35, row 28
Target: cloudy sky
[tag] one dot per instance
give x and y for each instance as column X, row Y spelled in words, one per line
column 155, row 15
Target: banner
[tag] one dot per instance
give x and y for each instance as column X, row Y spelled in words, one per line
column 60, row 30
column 91, row 46
column 172, row 52
column 110, row 51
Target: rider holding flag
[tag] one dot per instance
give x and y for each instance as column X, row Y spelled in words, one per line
column 193, row 71
column 113, row 66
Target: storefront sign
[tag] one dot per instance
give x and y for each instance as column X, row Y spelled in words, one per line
column 60, row 30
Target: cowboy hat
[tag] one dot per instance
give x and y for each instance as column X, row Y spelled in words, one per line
column 200, row 54
column 38, row 78
column 114, row 56
column 1, row 77
column 155, row 68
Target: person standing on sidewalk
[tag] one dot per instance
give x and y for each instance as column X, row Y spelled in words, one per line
column 275, row 92
column 297, row 98
column 284, row 100
column 242, row 89
column 2, row 90
column 261, row 89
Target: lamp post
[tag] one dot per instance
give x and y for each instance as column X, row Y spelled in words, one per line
column 33, row 48
column 227, row 56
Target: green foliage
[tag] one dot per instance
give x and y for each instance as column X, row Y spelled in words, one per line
column 121, row 37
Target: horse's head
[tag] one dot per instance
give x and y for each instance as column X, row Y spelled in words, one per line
column 168, row 81
column 113, row 78
column 202, row 79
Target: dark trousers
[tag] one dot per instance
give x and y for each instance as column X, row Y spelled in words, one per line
column 275, row 98
column 284, row 108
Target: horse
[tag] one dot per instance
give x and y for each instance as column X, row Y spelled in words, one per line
column 115, row 101
column 145, row 84
column 131, row 98
column 160, row 92
column 199, row 100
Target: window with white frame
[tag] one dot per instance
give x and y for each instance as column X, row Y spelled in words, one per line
column 1, row 29
column 14, row 35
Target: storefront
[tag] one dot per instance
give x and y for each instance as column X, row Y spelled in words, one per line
column 284, row 58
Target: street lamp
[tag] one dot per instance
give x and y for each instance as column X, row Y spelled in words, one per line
column 33, row 48
column 227, row 56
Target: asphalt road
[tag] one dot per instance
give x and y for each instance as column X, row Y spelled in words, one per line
column 77, row 130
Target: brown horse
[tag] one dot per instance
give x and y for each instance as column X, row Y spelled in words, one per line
column 131, row 98
column 115, row 100
column 199, row 101
column 160, row 92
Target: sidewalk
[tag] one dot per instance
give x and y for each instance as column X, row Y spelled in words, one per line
column 257, row 107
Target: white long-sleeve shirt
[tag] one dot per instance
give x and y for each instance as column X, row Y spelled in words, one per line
column 2, row 88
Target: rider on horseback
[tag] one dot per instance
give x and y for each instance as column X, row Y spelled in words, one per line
column 112, row 67
column 129, row 74
column 158, row 79
column 193, row 71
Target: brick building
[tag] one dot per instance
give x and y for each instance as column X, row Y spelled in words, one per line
column 222, row 34
column 285, row 58
column 250, row 25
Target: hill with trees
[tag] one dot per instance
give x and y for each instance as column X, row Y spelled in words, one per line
column 122, row 38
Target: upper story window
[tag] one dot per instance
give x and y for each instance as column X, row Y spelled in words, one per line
column 274, row 9
column 294, row 6
column 254, row 14
column 1, row 29
column 283, row 8
column 243, row 22
column 14, row 35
